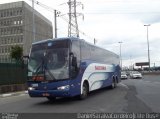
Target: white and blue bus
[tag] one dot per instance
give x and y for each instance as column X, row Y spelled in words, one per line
column 68, row 67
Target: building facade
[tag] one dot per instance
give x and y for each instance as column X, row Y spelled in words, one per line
column 16, row 21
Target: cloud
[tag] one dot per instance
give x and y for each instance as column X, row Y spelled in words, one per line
column 111, row 21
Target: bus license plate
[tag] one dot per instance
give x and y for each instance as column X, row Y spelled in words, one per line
column 46, row 94
column 35, row 85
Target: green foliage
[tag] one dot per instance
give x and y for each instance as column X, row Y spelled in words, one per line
column 16, row 52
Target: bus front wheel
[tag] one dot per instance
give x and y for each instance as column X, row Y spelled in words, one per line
column 85, row 91
column 114, row 84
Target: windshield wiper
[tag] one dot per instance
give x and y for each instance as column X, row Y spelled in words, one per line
column 51, row 75
column 42, row 64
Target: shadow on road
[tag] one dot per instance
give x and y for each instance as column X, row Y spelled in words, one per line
column 72, row 100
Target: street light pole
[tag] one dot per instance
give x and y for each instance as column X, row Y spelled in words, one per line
column 148, row 46
column 55, row 23
column 120, row 54
column 33, row 20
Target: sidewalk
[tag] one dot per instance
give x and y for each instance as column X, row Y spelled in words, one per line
column 13, row 94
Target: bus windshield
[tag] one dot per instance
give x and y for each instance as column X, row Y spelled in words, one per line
column 52, row 62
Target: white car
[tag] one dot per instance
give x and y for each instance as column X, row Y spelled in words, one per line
column 124, row 75
column 135, row 74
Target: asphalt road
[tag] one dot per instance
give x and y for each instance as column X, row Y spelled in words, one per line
column 132, row 95
column 147, row 91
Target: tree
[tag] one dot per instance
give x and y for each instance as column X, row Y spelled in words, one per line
column 16, row 52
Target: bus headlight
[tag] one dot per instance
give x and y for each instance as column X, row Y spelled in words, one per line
column 64, row 87
column 31, row 88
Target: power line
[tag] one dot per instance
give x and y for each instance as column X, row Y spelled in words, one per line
column 118, row 12
column 62, row 17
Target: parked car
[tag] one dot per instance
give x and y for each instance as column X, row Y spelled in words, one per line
column 124, row 75
column 135, row 74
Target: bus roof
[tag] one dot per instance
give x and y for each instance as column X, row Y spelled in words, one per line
column 70, row 38
column 55, row 39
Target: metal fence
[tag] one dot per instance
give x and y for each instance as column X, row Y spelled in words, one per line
column 13, row 73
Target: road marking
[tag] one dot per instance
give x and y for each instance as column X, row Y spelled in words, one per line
column 155, row 82
column 6, row 95
column 14, row 94
column 124, row 85
column 22, row 94
column 148, row 81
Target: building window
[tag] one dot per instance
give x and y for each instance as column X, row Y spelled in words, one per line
column 14, row 12
column 4, row 14
column 21, row 21
column 2, row 31
column 2, row 50
column 5, row 42
column 2, row 41
column 20, row 11
column 21, row 39
column 17, row 12
column 1, row 14
column 10, row 13
column 15, row 22
column 11, row 40
column 7, row 13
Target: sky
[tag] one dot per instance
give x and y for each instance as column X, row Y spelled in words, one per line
column 113, row 21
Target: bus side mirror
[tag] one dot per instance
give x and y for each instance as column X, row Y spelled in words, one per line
column 74, row 61
column 74, row 68
column 25, row 59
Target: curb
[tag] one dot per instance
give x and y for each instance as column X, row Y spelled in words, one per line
column 13, row 94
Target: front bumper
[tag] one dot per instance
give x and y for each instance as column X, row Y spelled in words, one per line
column 124, row 77
column 137, row 76
column 49, row 93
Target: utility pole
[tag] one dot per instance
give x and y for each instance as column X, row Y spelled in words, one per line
column 33, row 20
column 73, row 25
column 56, row 14
column 148, row 47
column 120, row 54
column 94, row 41
column 55, row 23
column 131, row 66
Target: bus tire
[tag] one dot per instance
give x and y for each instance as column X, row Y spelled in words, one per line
column 51, row 98
column 114, row 84
column 85, row 91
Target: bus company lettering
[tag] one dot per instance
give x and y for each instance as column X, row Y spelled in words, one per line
column 100, row 68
